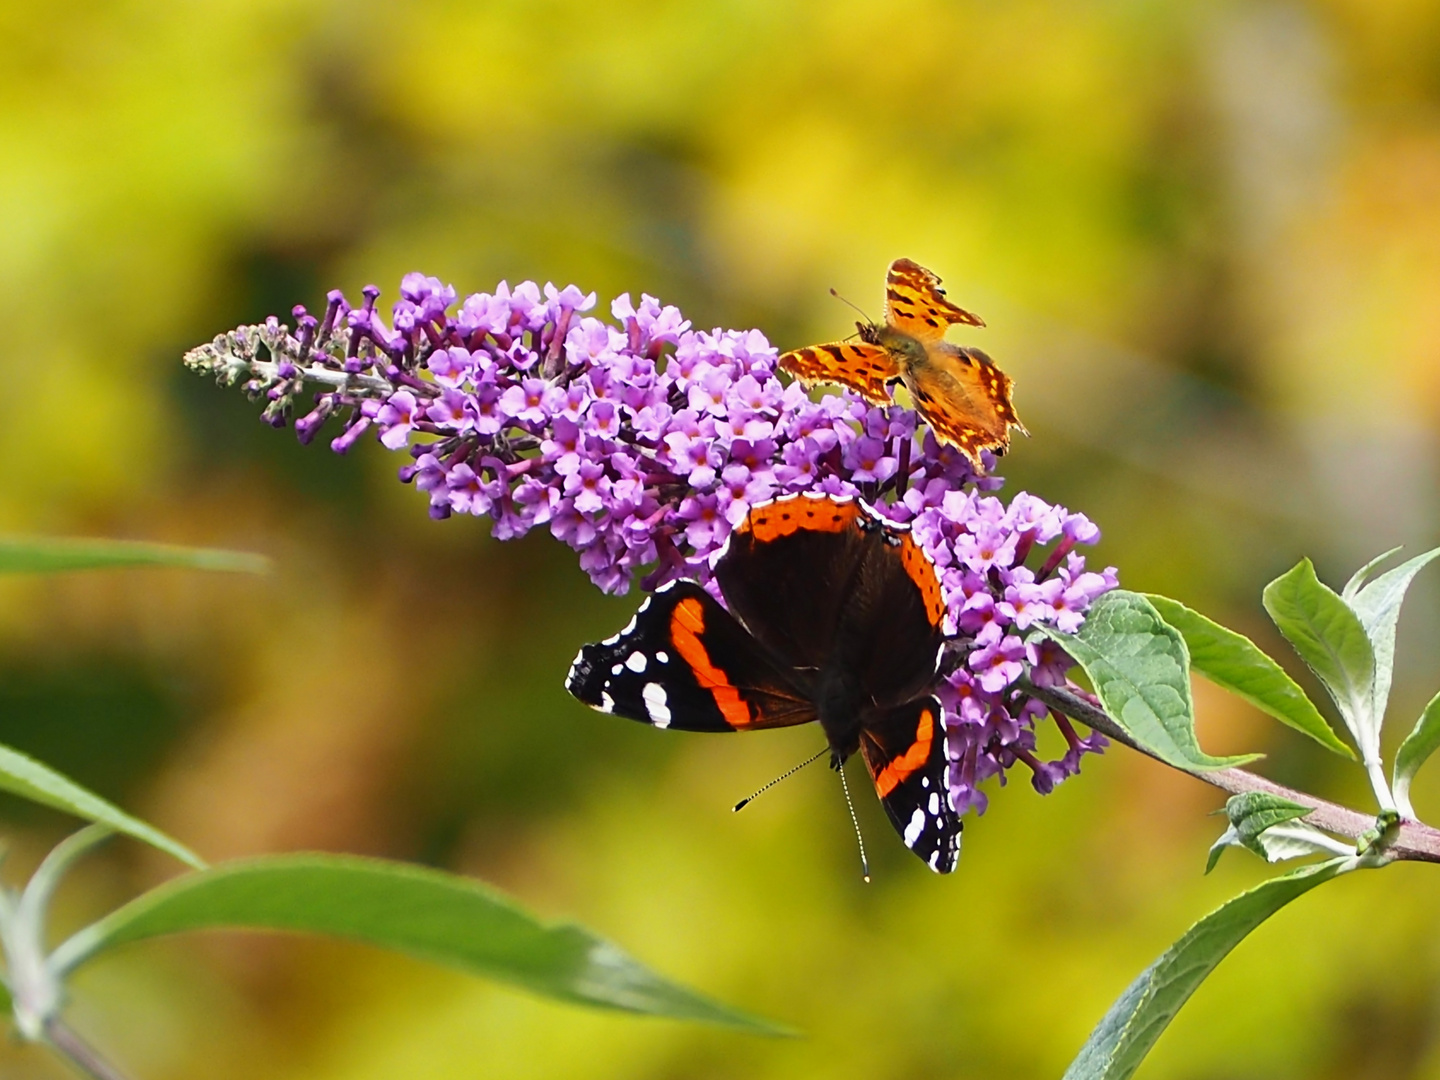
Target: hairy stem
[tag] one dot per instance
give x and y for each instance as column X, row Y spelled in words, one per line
column 341, row 380
column 1415, row 842
column 65, row 1042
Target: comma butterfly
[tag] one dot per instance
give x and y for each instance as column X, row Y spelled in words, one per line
column 959, row 391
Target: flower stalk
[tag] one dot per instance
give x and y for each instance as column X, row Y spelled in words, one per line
column 36, row 988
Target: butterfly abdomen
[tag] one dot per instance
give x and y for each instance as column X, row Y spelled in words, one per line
column 838, row 704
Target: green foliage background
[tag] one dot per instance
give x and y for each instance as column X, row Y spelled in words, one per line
column 1206, row 237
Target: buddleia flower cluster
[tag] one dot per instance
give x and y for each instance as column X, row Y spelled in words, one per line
column 641, row 443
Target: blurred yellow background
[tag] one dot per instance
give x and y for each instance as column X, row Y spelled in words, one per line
column 1206, row 237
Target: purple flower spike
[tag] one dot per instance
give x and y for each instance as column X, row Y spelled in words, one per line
column 642, row 444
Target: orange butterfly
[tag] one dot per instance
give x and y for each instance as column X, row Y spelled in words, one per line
column 959, row 391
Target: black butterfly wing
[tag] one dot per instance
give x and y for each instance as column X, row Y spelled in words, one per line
column 905, row 752
column 788, row 570
column 889, row 633
column 684, row 662
column 821, row 580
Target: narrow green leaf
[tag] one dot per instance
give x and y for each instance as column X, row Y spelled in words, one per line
column 1378, row 605
column 1330, row 638
column 1418, row 746
column 28, row 778
column 425, row 913
column 1136, row 1021
column 49, row 555
column 1233, row 662
column 1140, row 668
column 1357, row 579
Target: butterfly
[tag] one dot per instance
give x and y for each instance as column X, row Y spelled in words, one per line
column 832, row 613
column 958, row 390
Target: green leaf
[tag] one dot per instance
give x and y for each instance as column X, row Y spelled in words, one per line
column 1223, row 841
column 1378, row 605
column 1266, row 825
column 1330, row 638
column 49, row 555
column 1253, row 825
column 1357, row 579
column 425, row 913
column 1418, row 746
column 1138, row 1018
column 1281, row 842
column 1255, row 811
column 1233, row 662
column 1140, row 669
column 28, row 778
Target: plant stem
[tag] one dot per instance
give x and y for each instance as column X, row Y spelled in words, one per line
column 1375, row 770
column 65, row 1042
column 1415, row 842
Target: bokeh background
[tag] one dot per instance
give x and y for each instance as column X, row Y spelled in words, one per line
column 1206, row 237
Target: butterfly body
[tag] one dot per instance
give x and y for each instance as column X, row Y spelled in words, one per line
column 960, row 392
column 833, row 616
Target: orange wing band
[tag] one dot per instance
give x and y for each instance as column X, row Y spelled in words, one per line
column 894, row 774
column 687, row 623
column 920, row 570
column 786, row 516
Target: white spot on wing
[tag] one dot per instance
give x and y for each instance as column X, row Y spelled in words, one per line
column 915, row 828
column 607, row 703
column 636, row 662
column 662, row 656
column 934, row 802
column 615, row 669
column 655, row 704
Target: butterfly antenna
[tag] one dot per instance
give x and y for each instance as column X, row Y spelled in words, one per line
column 857, row 307
column 864, row 862
column 783, row 776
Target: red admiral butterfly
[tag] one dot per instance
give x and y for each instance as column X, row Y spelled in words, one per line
column 834, row 615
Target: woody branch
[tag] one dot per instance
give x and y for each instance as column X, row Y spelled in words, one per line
column 1415, row 841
